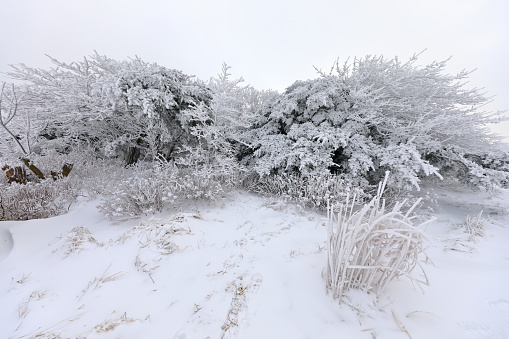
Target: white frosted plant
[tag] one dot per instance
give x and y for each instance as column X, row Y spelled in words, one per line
column 37, row 200
column 162, row 185
column 132, row 109
column 374, row 115
column 370, row 247
column 148, row 190
column 474, row 225
column 310, row 191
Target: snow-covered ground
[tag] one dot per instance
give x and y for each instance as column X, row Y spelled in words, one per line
column 246, row 267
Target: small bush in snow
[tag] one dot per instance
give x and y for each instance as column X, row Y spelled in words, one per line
column 36, row 200
column 149, row 190
column 475, row 226
column 144, row 191
column 311, row 191
column 47, row 198
column 368, row 248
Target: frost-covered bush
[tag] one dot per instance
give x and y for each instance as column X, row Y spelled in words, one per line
column 372, row 116
column 137, row 111
column 89, row 177
column 146, row 190
column 234, row 106
column 36, row 200
column 150, row 188
column 495, row 164
column 314, row 191
column 368, row 248
column 496, row 160
column 129, row 108
column 209, row 181
column 475, row 226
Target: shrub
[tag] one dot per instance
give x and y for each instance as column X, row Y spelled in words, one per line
column 475, row 226
column 377, row 115
column 143, row 188
column 36, row 200
column 370, row 247
column 130, row 108
column 89, row 177
column 146, row 190
column 314, row 191
column 152, row 188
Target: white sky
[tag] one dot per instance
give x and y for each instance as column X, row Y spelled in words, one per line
column 270, row 43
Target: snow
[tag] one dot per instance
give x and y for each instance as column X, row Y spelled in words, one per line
column 244, row 267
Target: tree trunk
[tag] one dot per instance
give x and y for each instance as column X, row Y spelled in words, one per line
column 132, row 156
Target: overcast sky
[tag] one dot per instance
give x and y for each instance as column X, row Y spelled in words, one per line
column 270, row 43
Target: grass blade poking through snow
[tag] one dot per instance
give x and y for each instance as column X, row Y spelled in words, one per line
column 370, row 247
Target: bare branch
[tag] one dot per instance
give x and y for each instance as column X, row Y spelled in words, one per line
column 11, row 111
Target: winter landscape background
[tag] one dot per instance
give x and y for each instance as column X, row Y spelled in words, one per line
column 364, row 197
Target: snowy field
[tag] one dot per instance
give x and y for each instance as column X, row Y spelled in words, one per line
column 245, row 267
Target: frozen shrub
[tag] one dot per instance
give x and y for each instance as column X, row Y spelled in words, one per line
column 161, row 185
column 376, row 115
column 474, row 226
column 370, row 247
column 132, row 109
column 36, row 200
column 313, row 191
column 146, row 190
column 90, row 176
column 39, row 197
column 204, row 183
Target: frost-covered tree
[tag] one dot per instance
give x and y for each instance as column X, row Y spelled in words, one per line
column 161, row 106
column 132, row 108
column 376, row 115
column 221, row 128
column 234, row 106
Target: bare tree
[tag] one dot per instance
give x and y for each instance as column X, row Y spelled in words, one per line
column 10, row 103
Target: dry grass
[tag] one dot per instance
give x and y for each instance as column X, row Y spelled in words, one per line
column 98, row 281
column 24, row 307
column 111, row 324
column 239, row 289
column 312, row 191
column 370, row 247
column 475, row 226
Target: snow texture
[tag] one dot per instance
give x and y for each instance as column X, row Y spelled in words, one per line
column 248, row 267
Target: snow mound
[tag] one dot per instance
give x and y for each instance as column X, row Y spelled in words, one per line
column 6, row 243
